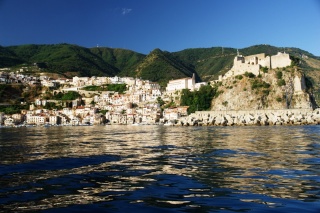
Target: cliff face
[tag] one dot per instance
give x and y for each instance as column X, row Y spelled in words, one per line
column 276, row 89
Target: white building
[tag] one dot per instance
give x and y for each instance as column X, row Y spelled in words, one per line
column 200, row 84
column 36, row 119
column 80, row 81
column 54, row 120
column 9, row 122
column 180, row 84
column 115, row 80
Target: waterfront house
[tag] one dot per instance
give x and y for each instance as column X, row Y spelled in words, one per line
column 36, row 119
column 18, row 118
column 9, row 122
column 54, row 120
column 175, row 113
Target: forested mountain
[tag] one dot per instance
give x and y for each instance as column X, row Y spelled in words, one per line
column 125, row 61
column 162, row 66
column 9, row 58
column 63, row 58
column 208, row 62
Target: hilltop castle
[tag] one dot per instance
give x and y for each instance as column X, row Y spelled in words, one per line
column 253, row 63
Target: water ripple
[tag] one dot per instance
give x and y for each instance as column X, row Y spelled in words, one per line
column 157, row 168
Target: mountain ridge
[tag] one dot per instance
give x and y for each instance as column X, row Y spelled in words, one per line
column 206, row 63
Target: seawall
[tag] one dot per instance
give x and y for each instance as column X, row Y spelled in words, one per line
column 252, row 117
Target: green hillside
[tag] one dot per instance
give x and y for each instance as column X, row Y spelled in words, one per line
column 9, row 58
column 161, row 66
column 126, row 61
column 63, row 58
column 272, row 50
column 207, row 63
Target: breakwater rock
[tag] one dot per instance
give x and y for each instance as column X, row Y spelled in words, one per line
column 252, row 117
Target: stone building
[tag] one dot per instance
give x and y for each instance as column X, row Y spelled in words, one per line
column 253, row 63
column 280, row 60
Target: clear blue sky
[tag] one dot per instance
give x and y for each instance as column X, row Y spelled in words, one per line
column 171, row 25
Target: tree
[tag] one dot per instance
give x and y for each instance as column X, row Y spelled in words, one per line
column 249, row 74
column 294, row 60
column 198, row 100
column 264, row 69
column 160, row 101
column 50, row 105
column 279, row 75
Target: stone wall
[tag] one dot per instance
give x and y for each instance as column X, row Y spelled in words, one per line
column 255, row 59
column 280, row 60
column 252, row 117
column 241, row 68
column 266, row 62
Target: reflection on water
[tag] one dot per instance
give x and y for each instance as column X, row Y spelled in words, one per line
column 157, row 168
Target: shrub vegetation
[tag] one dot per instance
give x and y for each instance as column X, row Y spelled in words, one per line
column 70, row 95
column 281, row 82
column 198, row 100
column 249, row 74
column 121, row 88
column 257, row 83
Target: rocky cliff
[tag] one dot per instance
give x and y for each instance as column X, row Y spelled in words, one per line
column 284, row 88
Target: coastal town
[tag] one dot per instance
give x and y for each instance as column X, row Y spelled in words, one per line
column 141, row 101
column 138, row 104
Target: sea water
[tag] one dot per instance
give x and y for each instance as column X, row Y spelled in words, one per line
column 154, row 168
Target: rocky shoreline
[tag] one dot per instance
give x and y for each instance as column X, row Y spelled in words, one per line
column 235, row 118
column 252, row 117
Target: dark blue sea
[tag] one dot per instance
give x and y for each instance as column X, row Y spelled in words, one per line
column 160, row 169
